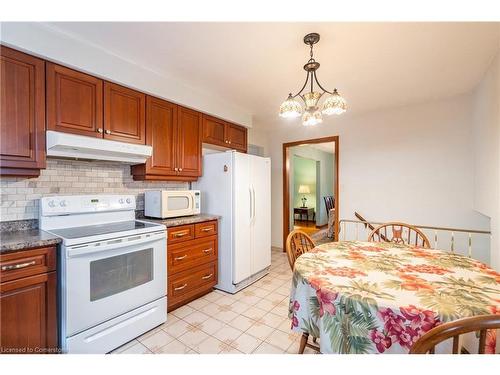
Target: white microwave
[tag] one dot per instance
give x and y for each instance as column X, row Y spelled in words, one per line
column 171, row 203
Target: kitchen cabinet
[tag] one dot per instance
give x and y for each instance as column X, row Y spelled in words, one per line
column 22, row 114
column 124, row 114
column 192, row 257
column 174, row 133
column 225, row 134
column 74, row 102
column 237, row 137
column 189, row 142
column 28, row 287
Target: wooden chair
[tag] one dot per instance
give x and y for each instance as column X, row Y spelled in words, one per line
column 481, row 323
column 298, row 243
column 329, row 203
column 396, row 234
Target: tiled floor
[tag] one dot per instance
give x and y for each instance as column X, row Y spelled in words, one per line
column 251, row 321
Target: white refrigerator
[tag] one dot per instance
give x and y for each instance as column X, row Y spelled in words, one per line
column 237, row 187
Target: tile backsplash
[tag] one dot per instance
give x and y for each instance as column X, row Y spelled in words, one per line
column 19, row 196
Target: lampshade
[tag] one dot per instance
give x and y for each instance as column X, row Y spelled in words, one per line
column 334, row 104
column 311, row 117
column 290, row 108
column 304, row 189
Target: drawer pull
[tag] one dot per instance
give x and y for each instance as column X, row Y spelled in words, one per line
column 206, row 229
column 180, row 234
column 18, row 266
column 207, row 277
column 181, row 287
column 206, row 251
column 181, row 258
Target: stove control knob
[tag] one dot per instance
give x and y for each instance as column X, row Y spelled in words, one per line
column 52, row 204
column 129, row 200
column 62, row 204
column 120, row 201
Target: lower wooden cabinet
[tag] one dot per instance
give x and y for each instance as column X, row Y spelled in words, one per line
column 191, row 262
column 28, row 308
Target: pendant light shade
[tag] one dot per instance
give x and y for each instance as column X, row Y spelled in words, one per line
column 334, row 104
column 290, row 108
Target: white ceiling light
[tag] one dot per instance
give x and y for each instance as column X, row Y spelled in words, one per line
column 333, row 104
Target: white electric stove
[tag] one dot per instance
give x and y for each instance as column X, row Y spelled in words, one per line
column 112, row 270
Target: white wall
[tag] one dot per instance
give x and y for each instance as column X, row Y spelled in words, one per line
column 486, row 146
column 413, row 164
column 50, row 43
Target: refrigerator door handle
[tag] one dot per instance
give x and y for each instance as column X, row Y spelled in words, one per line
column 253, row 203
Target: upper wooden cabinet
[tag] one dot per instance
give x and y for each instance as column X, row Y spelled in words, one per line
column 214, row 131
column 74, row 102
column 189, row 142
column 237, row 137
column 222, row 133
column 161, row 134
column 174, row 133
column 22, row 114
column 124, row 114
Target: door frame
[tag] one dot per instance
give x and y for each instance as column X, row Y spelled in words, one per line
column 286, row 181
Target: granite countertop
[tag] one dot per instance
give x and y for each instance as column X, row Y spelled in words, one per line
column 184, row 220
column 25, row 239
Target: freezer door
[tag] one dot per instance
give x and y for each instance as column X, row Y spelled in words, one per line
column 260, row 224
column 242, row 194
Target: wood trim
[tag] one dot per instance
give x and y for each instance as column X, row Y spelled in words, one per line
column 286, row 181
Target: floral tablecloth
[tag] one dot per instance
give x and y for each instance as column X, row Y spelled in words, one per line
column 364, row 297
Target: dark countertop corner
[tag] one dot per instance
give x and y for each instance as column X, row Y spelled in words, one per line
column 25, row 239
column 183, row 220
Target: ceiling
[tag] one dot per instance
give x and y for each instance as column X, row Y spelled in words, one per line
column 255, row 65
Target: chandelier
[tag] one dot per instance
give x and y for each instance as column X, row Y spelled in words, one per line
column 311, row 114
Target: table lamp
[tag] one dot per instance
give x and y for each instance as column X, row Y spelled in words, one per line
column 304, row 189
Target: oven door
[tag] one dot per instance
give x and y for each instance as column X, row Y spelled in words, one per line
column 106, row 279
column 177, row 203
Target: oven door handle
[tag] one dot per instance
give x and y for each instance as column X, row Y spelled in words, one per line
column 79, row 251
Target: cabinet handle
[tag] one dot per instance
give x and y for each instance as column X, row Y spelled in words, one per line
column 181, row 287
column 108, row 131
column 176, row 169
column 206, row 229
column 206, row 251
column 229, row 142
column 181, row 258
column 99, row 130
column 207, row 277
column 18, row 266
column 180, row 169
column 180, row 234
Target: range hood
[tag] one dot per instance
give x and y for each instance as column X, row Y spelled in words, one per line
column 82, row 147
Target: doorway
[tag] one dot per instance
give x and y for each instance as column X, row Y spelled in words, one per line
column 310, row 188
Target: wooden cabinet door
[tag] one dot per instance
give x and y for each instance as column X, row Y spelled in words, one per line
column 28, row 318
column 189, row 142
column 22, row 113
column 74, row 102
column 161, row 120
column 124, row 114
column 213, row 131
column 237, row 137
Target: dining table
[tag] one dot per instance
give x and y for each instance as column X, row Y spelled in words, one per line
column 380, row 297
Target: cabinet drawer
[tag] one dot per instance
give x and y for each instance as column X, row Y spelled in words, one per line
column 180, row 234
column 191, row 282
column 190, row 254
column 27, row 263
column 208, row 228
